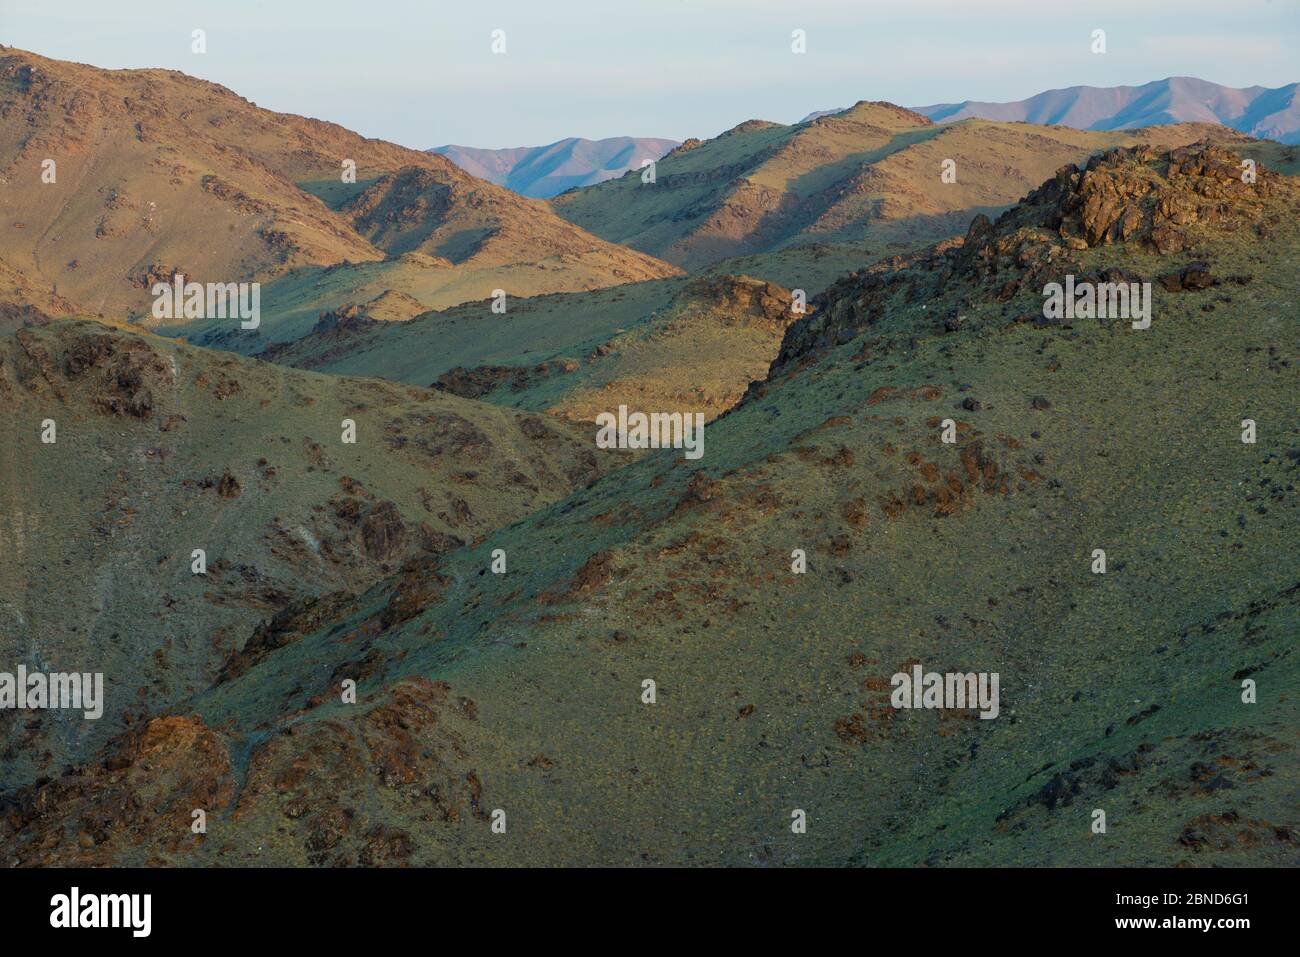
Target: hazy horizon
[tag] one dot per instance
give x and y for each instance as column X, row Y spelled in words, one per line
column 425, row 76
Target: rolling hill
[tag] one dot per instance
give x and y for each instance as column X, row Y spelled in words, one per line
column 665, row 344
column 577, row 354
column 870, row 177
column 161, row 448
column 643, row 657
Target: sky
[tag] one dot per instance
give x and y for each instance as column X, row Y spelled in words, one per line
column 423, row 74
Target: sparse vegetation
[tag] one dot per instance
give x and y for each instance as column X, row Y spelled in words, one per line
column 499, row 590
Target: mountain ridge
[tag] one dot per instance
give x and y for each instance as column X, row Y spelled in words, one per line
column 1258, row 111
column 871, row 174
column 1263, row 112
column 541, row 172
column 158, row 173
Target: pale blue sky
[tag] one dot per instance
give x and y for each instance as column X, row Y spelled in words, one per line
column 422, row 73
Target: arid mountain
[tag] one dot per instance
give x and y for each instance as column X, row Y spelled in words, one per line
column 1270, row 114
column 23, row 300
column 455, row 220
column 648, row 657
column 157, row 173
column 163, row 448
column 522, row 694
column 545, row 171
column 870, row 176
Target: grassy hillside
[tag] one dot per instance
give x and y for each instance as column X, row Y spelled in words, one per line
column 698, row 355
column 531, row 331
column 870, row 176
column 162, row 448
column 1119, row 691
column 655, row 345
column 665, row 344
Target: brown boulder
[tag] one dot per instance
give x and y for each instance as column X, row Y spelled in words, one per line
column 383, row 533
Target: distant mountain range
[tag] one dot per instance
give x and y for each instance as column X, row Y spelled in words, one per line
column 1272, row 114
column 545, row 171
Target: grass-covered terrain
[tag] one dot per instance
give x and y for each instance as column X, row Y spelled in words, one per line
column 872, row 176
column 665, row 344
column 530, row 331
column 161, row 449
column 1122, row 692
column 837, row 193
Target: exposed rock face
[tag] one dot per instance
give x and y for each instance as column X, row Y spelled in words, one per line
column 482, row 380
column 1140, row 193
column 228, row 486
column 146, row 788
column 315, row 784
column 383, row 532
column 744, row 301
column 1193, row 277
column 284, row 628
column 119, row 373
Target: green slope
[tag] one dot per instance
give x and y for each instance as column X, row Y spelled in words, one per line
column 1119, row 692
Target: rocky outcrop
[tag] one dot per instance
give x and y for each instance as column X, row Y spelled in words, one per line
column 119, row 374
column 476, row 382
column 383, row 533
column 1147, row 195
column 1161, row 200
column 742, row 300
